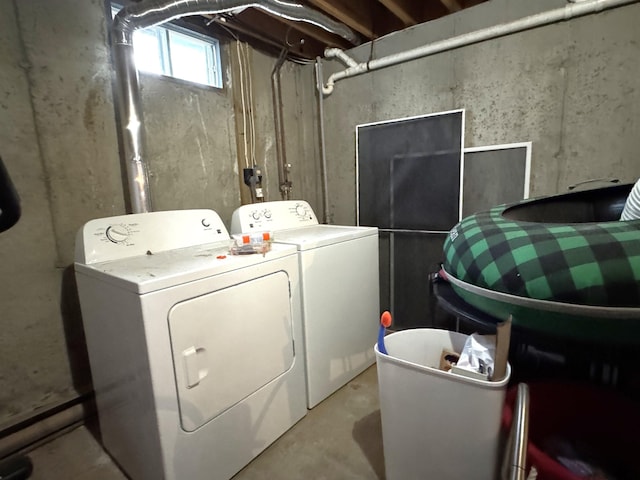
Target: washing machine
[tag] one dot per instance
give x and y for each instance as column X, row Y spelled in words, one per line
column 196, row 355
column 340, row 289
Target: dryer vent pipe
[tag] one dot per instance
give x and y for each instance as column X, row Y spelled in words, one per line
column 155, row 12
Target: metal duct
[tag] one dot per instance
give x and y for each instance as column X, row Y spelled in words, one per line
column 155, row 12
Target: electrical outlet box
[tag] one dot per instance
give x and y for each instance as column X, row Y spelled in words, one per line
column 254, row 172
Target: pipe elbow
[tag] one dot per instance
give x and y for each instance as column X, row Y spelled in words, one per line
column 327, row 89
column 332, row 52
column 122, row 28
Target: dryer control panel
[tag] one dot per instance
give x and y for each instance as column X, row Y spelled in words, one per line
column 124, row 236
column 272, row 216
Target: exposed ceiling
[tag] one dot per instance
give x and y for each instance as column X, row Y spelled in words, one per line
column 370, row 19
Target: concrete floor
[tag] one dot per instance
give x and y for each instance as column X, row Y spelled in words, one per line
column 339, row 439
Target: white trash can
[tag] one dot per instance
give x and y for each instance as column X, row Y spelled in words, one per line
column 436, row 425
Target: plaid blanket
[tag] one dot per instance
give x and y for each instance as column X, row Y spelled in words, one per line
column 581, row 263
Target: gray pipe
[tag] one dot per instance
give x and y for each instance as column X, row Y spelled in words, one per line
column 516, row 455
column 132, row 128
column 323, row 151
column 284, row 184
column 155, row 12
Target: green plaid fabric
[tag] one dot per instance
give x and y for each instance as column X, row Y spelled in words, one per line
column 582, row 263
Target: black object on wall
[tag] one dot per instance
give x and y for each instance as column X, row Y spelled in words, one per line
column 494, row 175
column 9, row 201
column 409, row 181
column 409, row 172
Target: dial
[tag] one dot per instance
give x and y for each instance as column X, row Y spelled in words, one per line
column 267, row 214
column 255, row 215
column 301, row 210
column 117, row 233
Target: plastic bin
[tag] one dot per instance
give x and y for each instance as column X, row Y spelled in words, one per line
column 580, row 423
column 436, row 424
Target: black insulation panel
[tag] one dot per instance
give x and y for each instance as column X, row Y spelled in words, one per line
column 493, row 177
column 409, row 172
column 409, row 187
column 415, row 256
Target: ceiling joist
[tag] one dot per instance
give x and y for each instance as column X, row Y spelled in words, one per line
column 452, row 5
column 351, row 14
column 406, row 10
column 319, row 34
column 371, row 19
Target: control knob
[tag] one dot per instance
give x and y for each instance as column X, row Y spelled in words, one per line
column 117, row 233
column 301, row 210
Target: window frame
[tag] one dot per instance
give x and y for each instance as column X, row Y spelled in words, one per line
column 213, row 62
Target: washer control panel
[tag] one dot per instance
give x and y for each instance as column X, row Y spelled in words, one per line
column 272, row 216
column 125, row 236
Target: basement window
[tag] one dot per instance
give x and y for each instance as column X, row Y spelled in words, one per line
column 177, row 52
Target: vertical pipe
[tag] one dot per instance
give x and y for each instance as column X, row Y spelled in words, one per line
column 284, row 185
column 132, row 127
column 516, row 455
column 323, row 154
column 148, row 13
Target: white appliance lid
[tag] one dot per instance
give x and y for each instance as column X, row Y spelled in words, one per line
column 147, row 273
column 124, row 236
column 272, row 216
column 315, row 236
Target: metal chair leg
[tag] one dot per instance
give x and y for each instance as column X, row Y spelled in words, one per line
column 515, row 461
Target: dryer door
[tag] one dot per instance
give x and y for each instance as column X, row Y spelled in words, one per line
column 228, row 344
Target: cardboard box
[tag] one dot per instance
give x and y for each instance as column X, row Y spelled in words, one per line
column 448, row 358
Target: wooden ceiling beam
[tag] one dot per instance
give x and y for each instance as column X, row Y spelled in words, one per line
column 264, row 28
column 406, row 10
column 433, row 10
column 452, row 5
column 353, row 14
column 317, row 33
column 471, row 3
column 369, row 18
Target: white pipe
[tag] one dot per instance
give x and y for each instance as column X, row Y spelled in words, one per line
column 567, row 12
column 340, row 55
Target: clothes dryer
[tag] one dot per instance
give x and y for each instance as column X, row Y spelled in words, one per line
column 196, row 355
column 340, row 289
